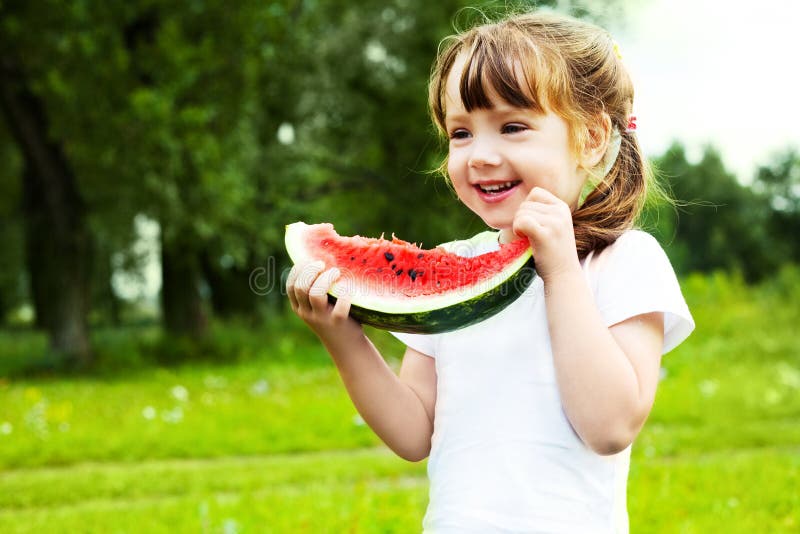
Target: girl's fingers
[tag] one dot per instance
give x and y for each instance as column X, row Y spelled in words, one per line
column 290, row 286
column 528, row 224
column 537, row 225
column 318, row 294
column 306, row 275
column 342, row 307
column 540, row 194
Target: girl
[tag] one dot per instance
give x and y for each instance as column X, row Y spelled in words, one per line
column 528, row 417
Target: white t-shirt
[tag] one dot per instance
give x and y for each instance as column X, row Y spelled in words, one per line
column 504, row 457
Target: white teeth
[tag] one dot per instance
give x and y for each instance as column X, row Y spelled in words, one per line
column 497, row 187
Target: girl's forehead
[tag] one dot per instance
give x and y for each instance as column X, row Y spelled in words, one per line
column 475, row 82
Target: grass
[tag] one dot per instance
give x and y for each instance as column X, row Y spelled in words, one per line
column 259, row 435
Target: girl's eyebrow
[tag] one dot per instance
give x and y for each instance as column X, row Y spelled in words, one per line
column 501, row 111
column 456, row 117
column 505, row 110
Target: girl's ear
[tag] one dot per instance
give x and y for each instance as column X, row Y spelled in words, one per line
column 599, row 134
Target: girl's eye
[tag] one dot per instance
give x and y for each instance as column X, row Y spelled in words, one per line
column 514, row 128
column 460, row 133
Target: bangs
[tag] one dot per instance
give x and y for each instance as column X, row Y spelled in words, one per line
column 502, row 68
column 502, row 63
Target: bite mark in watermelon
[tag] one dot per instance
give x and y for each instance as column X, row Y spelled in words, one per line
column 395, row 285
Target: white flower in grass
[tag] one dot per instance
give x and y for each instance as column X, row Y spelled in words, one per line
column 789, row 376
column 149, row 413
column 180, row 393
column 708, row 388
column 173, row 416
column 36, row 418
column 358, row 420
column 215, row 382
column 6, row 428
column 259, row 388
column 230, row 526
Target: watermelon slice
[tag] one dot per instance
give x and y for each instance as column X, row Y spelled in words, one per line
column 398, row 286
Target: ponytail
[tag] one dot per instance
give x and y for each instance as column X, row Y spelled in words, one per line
column 613, row 205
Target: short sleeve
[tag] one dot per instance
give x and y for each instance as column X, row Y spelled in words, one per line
column 634, row 276
column 426, row 344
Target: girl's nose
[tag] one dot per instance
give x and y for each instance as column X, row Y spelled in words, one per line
column 484, row 154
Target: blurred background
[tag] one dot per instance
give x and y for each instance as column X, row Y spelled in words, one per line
column 152, row 377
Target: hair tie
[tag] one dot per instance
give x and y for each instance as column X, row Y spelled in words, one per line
column 610, row 157
column 614, row 143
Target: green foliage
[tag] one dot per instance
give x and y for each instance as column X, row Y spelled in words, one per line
column 780, row 183
column 716, row 222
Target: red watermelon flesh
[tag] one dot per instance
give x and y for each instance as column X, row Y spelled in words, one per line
column 402, row 267
column 395, row 285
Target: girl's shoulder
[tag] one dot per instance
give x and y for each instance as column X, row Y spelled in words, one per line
column 635, row 253
column 635, row 237
column 632, row 244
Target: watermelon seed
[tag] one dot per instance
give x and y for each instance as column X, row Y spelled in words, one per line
column 388, row 255
column 399, row 272
column 394, row 266
column 413, row 274
column 352, row 258
column 420, row 255
column 380, row 269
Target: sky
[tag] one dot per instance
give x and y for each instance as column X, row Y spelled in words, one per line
column 715, row 72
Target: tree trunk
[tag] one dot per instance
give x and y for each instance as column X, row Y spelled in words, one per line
column 181, row 301
column 104, row 298
column 58, row 241
column 231, row 295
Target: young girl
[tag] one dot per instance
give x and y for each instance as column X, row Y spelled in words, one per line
column 528, row 417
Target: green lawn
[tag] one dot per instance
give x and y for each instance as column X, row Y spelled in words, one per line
column 271, row 443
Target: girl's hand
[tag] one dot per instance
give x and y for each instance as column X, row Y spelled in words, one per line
column 546, row 221
column 307, row 287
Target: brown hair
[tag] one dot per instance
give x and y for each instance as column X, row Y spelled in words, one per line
column 546, row 61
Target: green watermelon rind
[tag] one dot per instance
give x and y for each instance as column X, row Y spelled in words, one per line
column 432, row 313
column 452, row 317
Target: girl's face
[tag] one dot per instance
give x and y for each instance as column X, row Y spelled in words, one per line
column 497, row 155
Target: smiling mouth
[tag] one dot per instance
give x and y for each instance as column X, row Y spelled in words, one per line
column 494, row 189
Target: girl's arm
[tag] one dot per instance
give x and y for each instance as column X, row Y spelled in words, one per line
column 398, row 409
column 607, row 377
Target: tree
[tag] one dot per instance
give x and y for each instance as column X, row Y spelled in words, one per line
column 225, row 122
column 779, row 182
column 58, row 242
column 12, row 269
column 720, row 223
